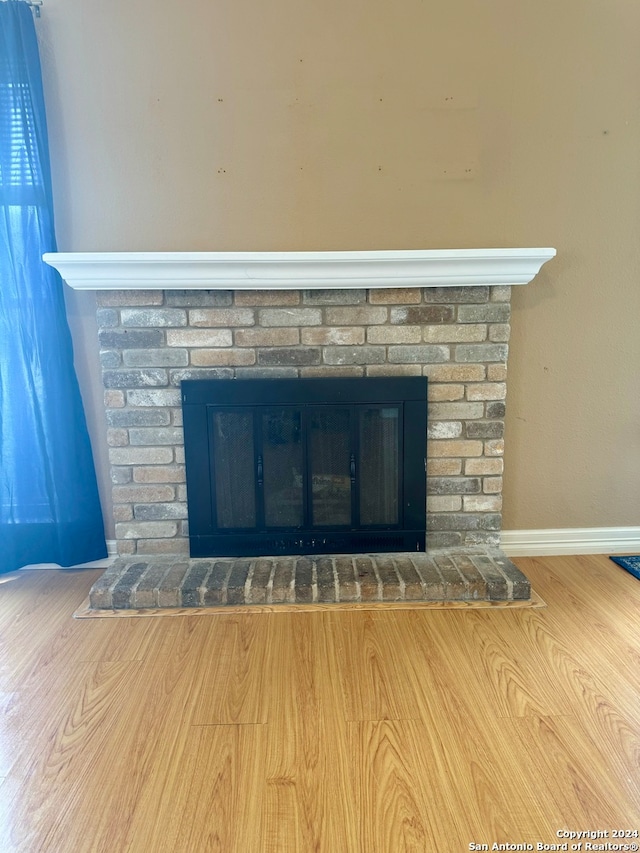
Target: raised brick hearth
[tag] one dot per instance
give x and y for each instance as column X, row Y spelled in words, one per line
column 452, row 575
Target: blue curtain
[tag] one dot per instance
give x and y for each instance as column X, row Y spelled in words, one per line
column 49, row 506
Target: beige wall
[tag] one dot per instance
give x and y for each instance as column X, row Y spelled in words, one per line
column 361, row 125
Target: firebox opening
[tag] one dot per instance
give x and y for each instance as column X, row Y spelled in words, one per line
column 303, row 466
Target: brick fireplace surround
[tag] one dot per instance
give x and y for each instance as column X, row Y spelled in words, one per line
column 153, row 336
column 151, row 340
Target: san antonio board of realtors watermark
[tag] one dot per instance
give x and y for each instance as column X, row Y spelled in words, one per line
column 568, row 839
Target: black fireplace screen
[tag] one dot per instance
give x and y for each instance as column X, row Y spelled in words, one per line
column 302, row 466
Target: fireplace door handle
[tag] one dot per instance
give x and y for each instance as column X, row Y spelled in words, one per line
column 352, row 468
column 260, row 471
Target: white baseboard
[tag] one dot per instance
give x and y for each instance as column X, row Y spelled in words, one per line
column 579, row 540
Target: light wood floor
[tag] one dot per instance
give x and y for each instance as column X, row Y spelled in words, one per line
column 421, row 730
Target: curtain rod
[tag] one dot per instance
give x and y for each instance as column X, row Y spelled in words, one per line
column 34, row 5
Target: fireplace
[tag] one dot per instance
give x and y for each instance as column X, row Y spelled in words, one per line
column 167, row 318
column 303, row 466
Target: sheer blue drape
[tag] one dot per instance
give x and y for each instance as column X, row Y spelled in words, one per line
column 49, row 506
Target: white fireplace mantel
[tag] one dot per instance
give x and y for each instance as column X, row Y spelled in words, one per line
column 297, row 270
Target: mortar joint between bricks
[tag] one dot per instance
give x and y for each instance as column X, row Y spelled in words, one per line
column 224, row 587
column 269, row 592
column 247, row 583
column 374, row 564
column 292, row 582
column 356, row 577
column 204, row 585
column 401, row 583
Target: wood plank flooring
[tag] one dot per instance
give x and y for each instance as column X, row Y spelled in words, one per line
column 329, row 731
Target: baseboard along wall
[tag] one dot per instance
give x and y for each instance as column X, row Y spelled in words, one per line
column 548, row 543
column 578, row 540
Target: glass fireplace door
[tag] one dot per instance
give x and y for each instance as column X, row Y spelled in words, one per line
column 280, row 468
column 379, row 456
column 331, row 466
column 233, row 468
column 305, row 466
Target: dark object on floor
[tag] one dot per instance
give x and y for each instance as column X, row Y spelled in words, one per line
column 631, row 564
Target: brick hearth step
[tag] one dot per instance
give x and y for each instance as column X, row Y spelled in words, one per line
column 466, row 574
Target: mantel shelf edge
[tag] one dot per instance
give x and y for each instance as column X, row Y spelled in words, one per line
column 297, row 270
